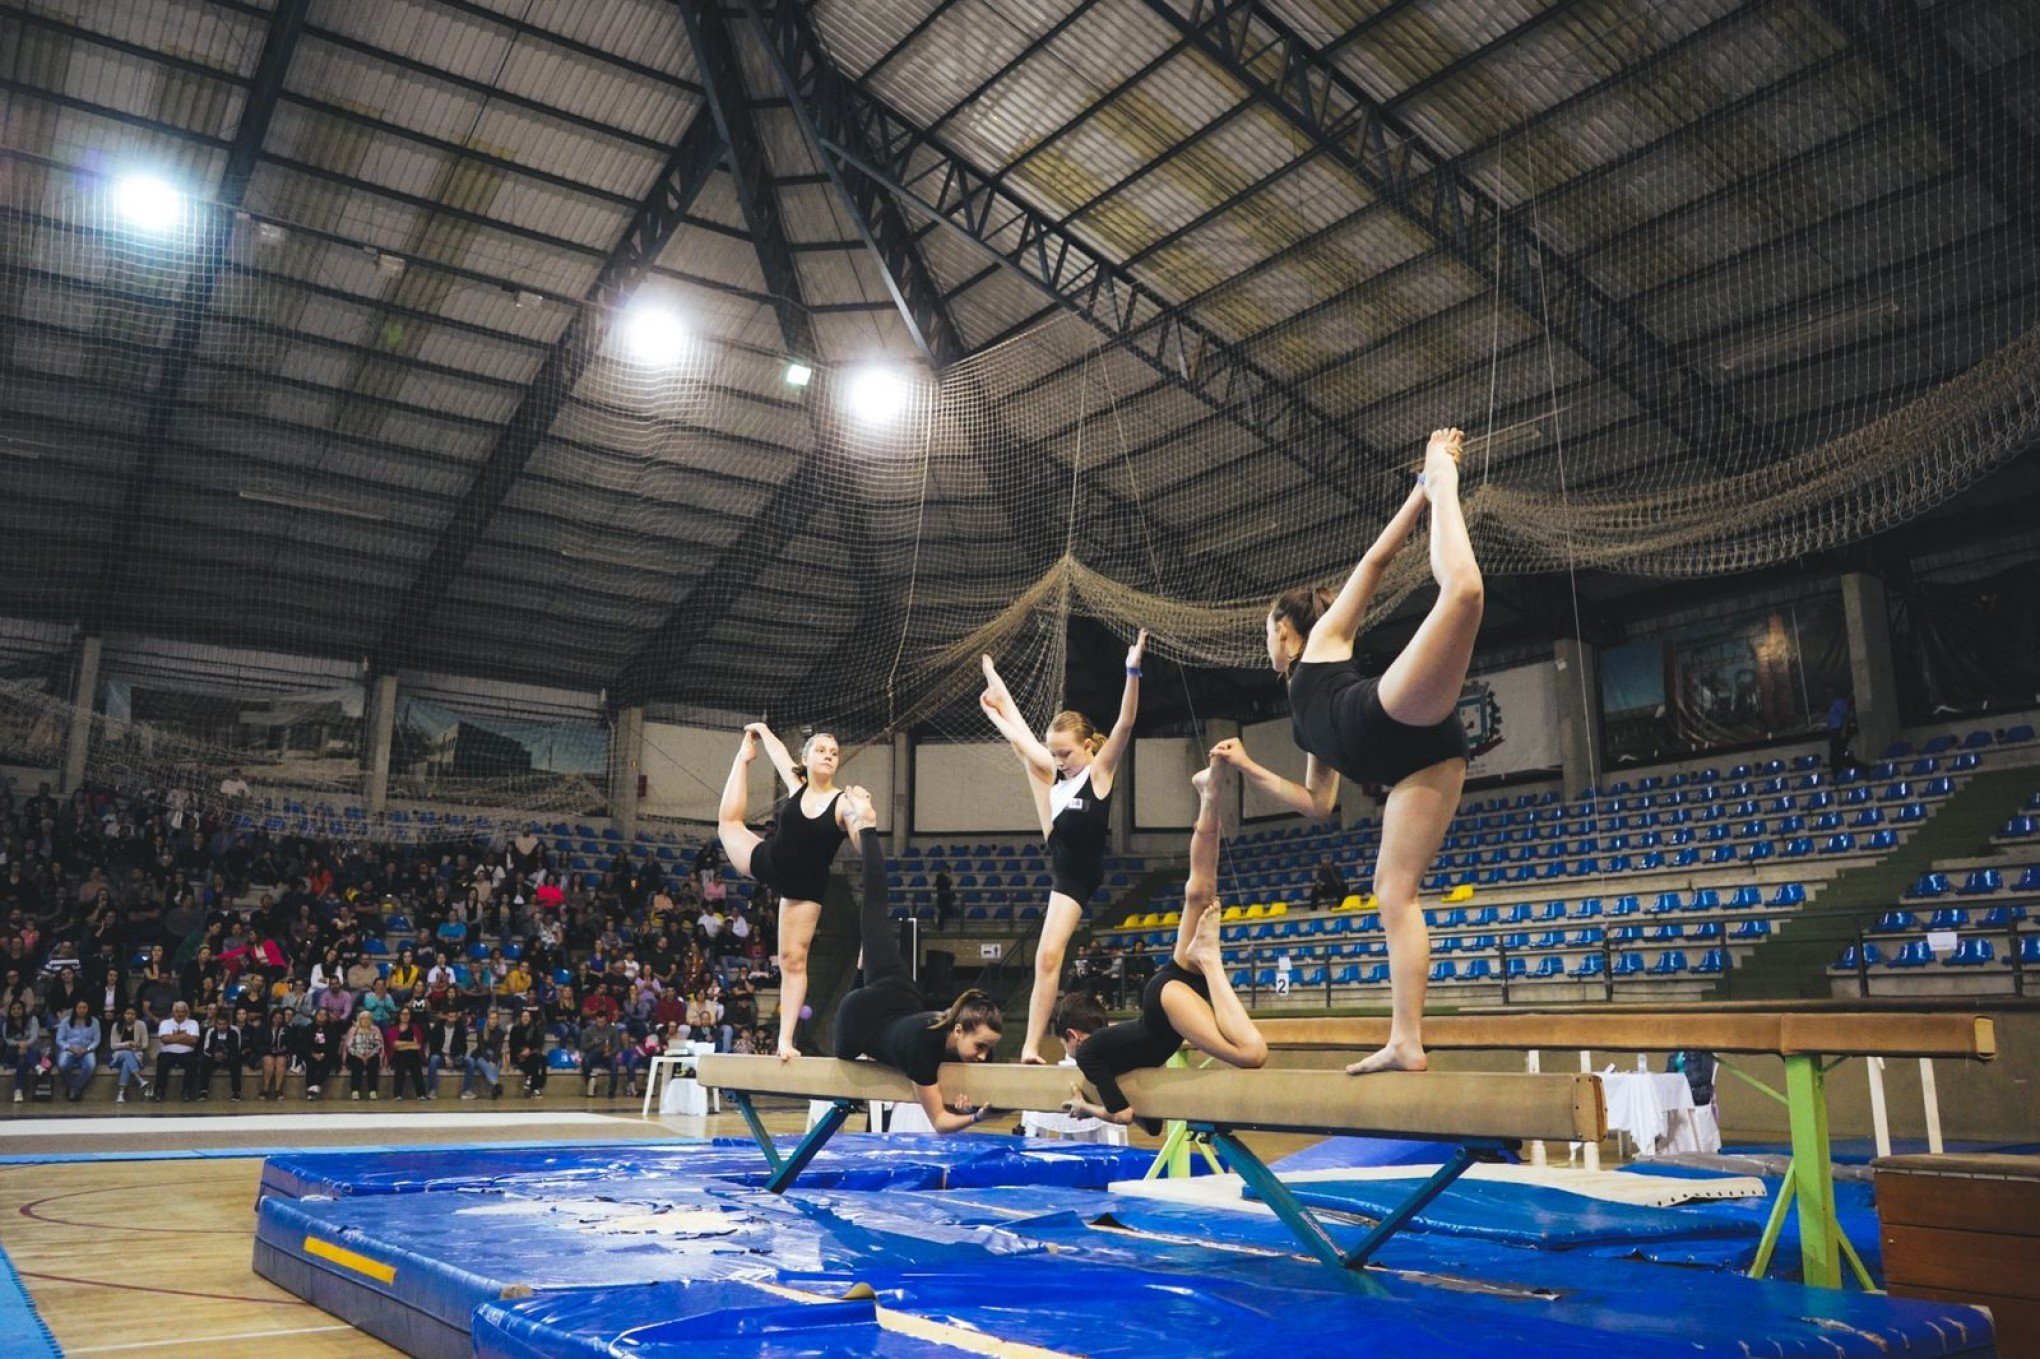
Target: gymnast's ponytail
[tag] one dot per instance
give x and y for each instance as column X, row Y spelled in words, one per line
column 1302, row 607
column 971, row 1009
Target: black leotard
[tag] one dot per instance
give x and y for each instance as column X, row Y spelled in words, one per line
column 1335, row 713
column 887, row 1019
column 1076, row 837
column 795, row 859
column 1146, row 1040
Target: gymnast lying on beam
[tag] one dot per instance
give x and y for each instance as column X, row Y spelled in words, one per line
column 886, row 1019
column 1189, row 999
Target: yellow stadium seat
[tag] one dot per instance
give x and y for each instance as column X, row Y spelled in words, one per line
column 1463, row 892
column 1231, row 913
column 1172, row 918
column 1370, row 903
column 1351, row 903
column 1256, row 911
column 1278, row 908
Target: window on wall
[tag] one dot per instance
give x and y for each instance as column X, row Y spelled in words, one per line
column 1744, row 677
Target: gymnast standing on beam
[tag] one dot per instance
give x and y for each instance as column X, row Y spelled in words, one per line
column 886, row 1019
column 1188, row 1000
column 1401, row 732
column 795, row 859
column 1071, row 776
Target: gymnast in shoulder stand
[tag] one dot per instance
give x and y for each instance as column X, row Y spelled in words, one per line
column 796, row 859
column 1189, row 999
column 886, row 1019
column 1401, row 732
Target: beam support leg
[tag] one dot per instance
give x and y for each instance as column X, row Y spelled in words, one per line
column 1812, row 1175
column 757, row 1127
column 1454, row 1167
column 817, row 1137
column 1276, row 1195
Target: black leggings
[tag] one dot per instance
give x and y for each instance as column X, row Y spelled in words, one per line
column 888, row 993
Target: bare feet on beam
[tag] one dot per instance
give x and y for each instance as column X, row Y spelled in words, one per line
column 1394, row 1057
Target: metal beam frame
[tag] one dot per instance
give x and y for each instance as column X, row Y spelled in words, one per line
column 1355, row 132
column 681, row 180
column 279, row 44
column 1932, row 81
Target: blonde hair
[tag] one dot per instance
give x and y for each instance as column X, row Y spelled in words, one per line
column 807, row 748
column 1079, row 726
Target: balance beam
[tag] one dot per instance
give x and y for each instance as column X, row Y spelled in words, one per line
column 1809, row 1042
column 1773, row 1033
column 1479, row 1112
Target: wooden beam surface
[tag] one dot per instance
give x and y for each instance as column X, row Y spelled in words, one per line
column 1879, row 1034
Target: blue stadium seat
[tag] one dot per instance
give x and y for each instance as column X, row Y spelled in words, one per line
column 2020, row 828
column 1789, row 894
column 1949, row 918
column 2012, row 736
column 1752, row 929
column 1981, row 882
column 1895, row 922
column 1839, row 844
column 1629, row 965
column 2003, row 917
column 1478, row 969
column 2029, row 950
column 1913, row 954
column 1550, row 965
column 1971, row 952
column 1928, row 885
column 1712, row 963
column 1853, row 959
column 1669, row 964
column 2029, row 879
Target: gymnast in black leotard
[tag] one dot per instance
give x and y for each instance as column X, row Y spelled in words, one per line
column 796, row 860
column 1401, row 732
column 1189, row 999
column 886, row 1019
column 1071, row 776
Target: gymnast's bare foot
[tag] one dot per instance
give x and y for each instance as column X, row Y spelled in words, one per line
column 1395, row 1057
column 787, row 1051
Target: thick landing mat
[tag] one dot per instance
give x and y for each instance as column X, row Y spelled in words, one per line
column 850, row 1161
column 23, row 1334
column 608, row 1269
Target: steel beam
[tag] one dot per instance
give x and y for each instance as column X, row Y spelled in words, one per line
column 1290, row 77
column 659, row 216
column 1932, row 81
column 279, row 44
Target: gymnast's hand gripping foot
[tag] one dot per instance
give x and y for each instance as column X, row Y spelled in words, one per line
column 1189, row 999
column 1070, row 775
column 886, row 1019
column 1401, row 732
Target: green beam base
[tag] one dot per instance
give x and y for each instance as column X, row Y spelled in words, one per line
column 786, row 1170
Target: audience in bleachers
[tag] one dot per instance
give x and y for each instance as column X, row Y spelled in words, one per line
column 167, row 933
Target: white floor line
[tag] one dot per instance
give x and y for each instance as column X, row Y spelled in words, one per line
column 391, row 1122
column 202, row 1340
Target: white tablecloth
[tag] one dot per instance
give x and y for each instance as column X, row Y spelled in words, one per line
column 1657, row 1113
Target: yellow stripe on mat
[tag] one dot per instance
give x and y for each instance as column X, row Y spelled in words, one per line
column 347, row 1259
column 921, row 1328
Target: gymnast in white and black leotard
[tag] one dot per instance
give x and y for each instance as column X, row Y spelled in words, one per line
column 1401, row 732
column 1189, row 999
column 886, row 1018
column 795, row 861
column 1071, row 776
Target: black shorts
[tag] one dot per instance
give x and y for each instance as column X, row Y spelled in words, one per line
column 791, row 882
column 1391, row 751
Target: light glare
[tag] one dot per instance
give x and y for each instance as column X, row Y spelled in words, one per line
column 148, row 203
column 654, row 336
column 798, row 374
column 877, row 395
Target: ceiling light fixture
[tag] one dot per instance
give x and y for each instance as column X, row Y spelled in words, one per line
column 149, row 203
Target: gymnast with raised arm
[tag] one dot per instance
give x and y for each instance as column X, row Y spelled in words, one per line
column 886, row 1019
column 1188, row 1000
column 1401, row 732
column 1071, row 775
column 795, row 859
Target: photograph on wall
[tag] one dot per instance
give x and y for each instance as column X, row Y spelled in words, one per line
column 308, row 739
column 1722, row 683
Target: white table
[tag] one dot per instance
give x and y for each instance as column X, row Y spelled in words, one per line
column 1655, row 1111
column 676, row 1064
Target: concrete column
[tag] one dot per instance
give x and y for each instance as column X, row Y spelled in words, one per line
column 1122, row 802
column 626, row 760
column 84, row 706
column 1577, row 688
column 1871, row 672
column 902, row 788
column 381, row 727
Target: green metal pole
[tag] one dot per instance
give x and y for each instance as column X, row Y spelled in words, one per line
column 1773, row 1225
column 1173, row 1160
column 1812, row 1175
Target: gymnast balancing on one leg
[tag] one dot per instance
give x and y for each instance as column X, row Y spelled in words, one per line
column 1401, row 732
column 795, row 860
column 886, row 1019
column 1071, row 776
column 1189, row 999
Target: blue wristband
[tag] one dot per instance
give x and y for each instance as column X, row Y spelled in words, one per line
column 1133, row 670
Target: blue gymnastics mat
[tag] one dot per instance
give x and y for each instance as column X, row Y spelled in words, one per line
column 688, row 1259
